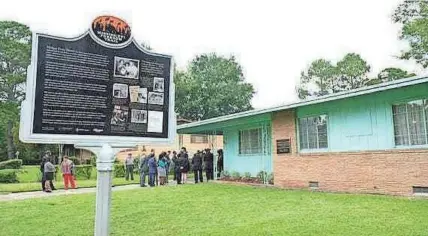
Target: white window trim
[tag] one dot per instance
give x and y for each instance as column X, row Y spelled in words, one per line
column 312, row 150
column 239, row 142
column 409, row 146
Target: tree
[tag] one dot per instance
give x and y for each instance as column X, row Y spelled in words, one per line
column 211, row 86
column 15, row 47
column 390, row 74
column 413, row 17
column 319, row 76
column 351, row 73
column 322, row 77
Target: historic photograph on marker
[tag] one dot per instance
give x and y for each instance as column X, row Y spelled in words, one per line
column 120, row 90
column 158, row 84
column 126, row 68
column 120, row 115
column 155, row 122
column 133, row 93
column 138, row 116
column 142, row 95
column 156, row 98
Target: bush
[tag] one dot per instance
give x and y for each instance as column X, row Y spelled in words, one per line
column 83, row 171
column 236, row 175
column 270, row 178
column 11, row 164
column 262, row 176
column 119, row 170
column 8, row 176
column 75, row 160
column 247, row 175
column 224, row 174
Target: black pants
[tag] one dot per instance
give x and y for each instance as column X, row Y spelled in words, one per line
column 178, row 176
column 198, row 173
column 129, row 171
column 210, row 174
column 43, row 183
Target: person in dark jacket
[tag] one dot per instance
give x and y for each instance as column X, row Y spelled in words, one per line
column 184, row 164
column 144, row 169
column 152, row 170
column 220, row 164
column 168, row 164
column 209, row 164
column 197, row 167
column 42, row 170
column 174, row 160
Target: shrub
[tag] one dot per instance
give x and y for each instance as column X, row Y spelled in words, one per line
column 119, row 171
column 270, row 178
column 262, row 176
column 11, row 164
column 83, row 171
column 75, row 160
column 225, row 174
column 247, row 175
column 8, row 176
column 236, row 175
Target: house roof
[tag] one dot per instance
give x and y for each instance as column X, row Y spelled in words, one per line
column 331, row 97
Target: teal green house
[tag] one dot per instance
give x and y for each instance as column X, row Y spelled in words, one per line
column 371, row 140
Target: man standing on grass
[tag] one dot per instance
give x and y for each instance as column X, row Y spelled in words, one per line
column 67, row 167
column 144, row 169
column 129, row 165
column 152, row 169
column 197, row 167
column 209, row 164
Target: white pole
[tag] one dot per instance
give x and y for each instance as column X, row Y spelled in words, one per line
column 104, row 182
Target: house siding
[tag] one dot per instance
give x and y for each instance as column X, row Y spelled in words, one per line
column 235, row 162
column 361, row 157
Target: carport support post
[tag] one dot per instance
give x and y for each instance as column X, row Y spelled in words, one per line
column 104, row 181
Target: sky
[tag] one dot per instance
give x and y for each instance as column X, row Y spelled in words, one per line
column 273, row 40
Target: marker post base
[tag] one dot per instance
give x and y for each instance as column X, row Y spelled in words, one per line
column 104, row 182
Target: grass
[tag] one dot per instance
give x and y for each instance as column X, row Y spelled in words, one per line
column 29, row 180
column 214, row 209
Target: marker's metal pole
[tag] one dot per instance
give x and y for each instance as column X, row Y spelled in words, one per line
column 104, row 182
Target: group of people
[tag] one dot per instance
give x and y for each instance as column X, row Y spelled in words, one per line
column 158, row 169
column 48, row 170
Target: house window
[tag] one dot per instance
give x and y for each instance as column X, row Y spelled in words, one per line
column 313, row 132
column 250, row 141
column 410, row 123
column 198, row 138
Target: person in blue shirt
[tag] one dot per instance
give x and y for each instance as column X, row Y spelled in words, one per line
column 152, row 169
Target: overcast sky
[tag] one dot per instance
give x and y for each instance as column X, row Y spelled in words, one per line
column 273, row 40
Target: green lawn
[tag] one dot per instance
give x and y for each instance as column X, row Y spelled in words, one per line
column 29, row 180
column 215, row 209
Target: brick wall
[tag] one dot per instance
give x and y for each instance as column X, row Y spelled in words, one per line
column 385, row 172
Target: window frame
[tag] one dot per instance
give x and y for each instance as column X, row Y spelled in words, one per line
column 260, row 148
column 312, row 150
column 194, row 140
column 407, row 101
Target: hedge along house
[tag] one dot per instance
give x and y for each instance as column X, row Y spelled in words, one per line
column 368, row 140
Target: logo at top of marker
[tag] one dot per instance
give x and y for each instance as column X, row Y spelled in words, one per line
column 111, row 30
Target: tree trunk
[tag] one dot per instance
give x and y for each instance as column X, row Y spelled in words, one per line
column 10, row 144
column 60, row 153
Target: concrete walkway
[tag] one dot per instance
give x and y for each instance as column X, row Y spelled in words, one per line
column 40, row 194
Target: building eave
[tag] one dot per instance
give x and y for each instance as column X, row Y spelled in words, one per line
column 328, row 98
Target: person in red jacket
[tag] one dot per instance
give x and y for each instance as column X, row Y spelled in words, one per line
column 67, row 168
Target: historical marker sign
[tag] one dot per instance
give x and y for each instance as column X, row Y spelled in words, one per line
column 283, row 146
column 99, row 87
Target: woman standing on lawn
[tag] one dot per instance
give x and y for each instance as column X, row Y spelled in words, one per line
column 162, row 164
column 184, row 164
column 67, row 168
column 49, row 175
